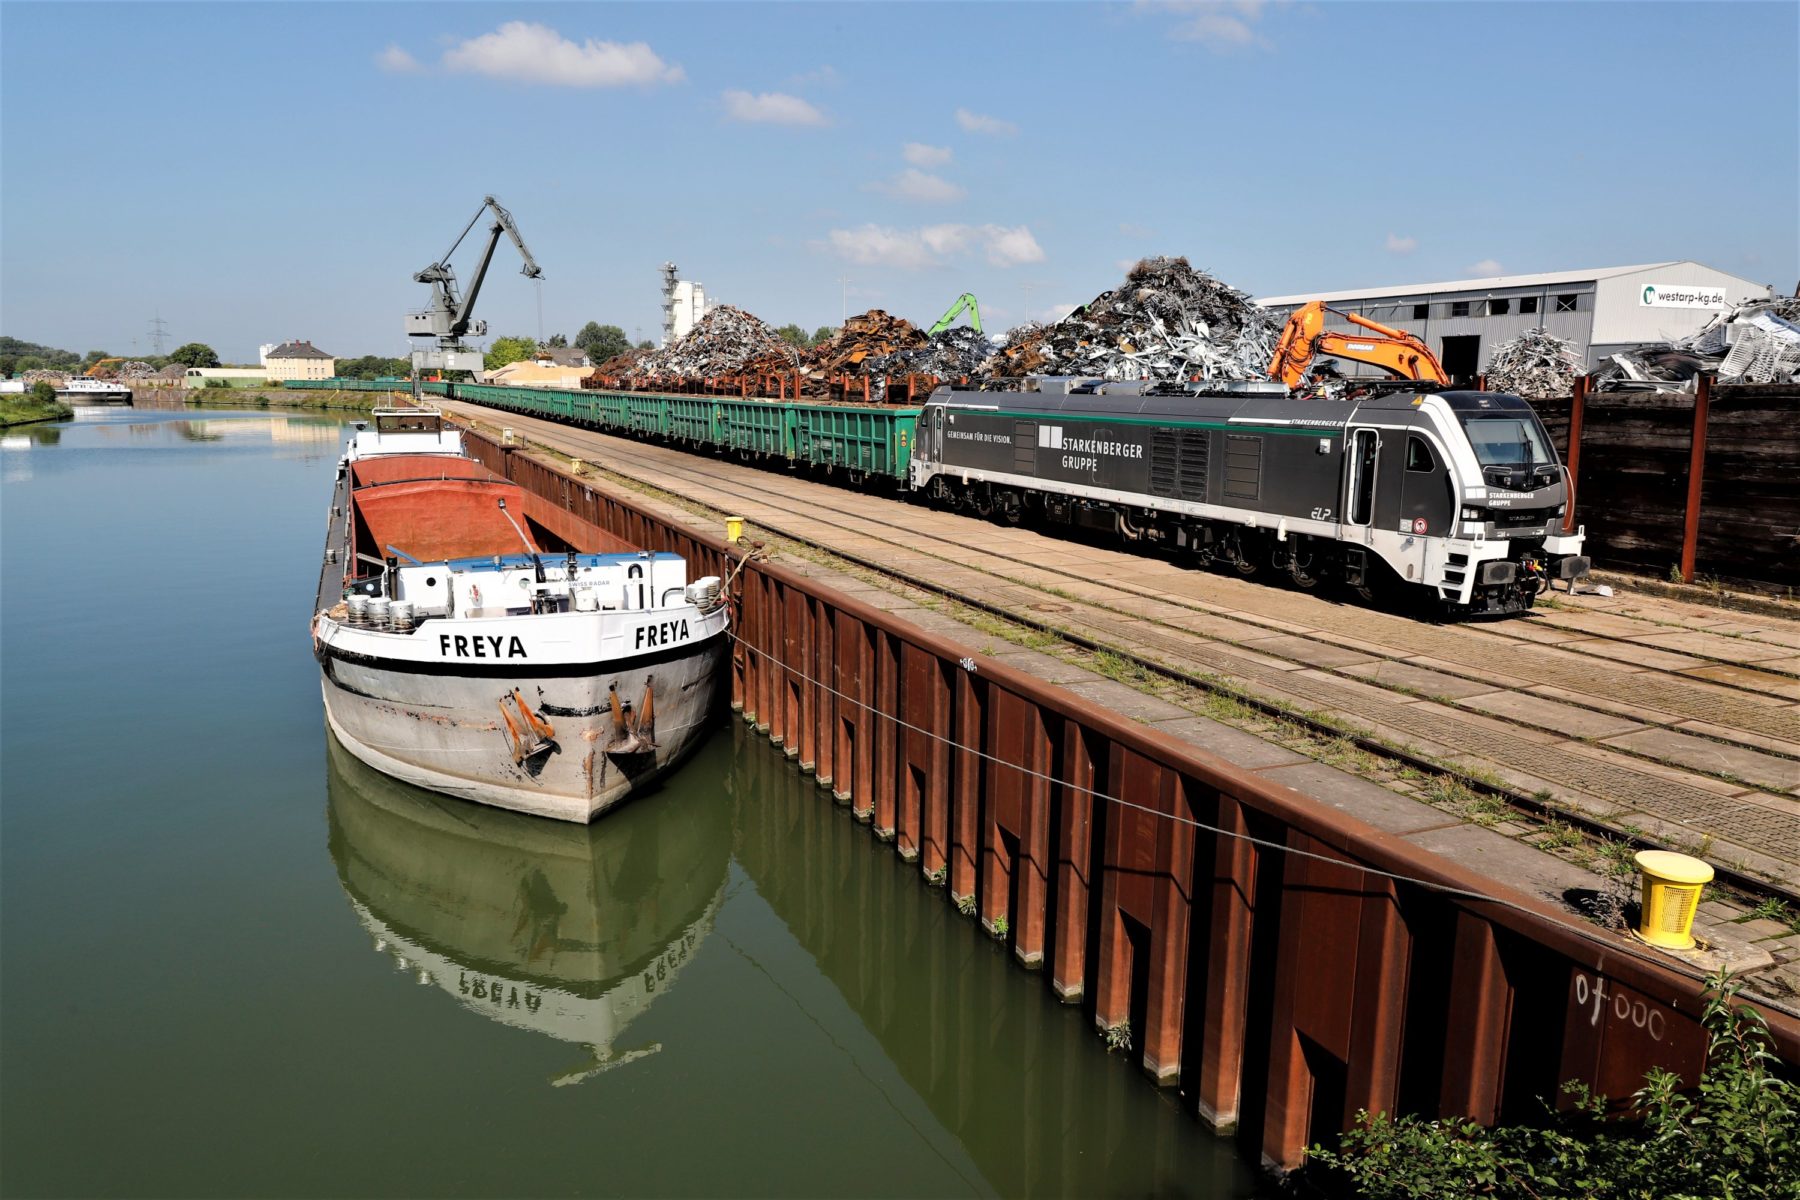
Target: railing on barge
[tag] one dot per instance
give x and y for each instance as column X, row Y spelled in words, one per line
column 1280, row 963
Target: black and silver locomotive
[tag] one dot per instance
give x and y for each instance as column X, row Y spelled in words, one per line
column 1458, row 493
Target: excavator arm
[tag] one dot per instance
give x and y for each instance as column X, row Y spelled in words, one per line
column 964, row 301
column 1395, row 351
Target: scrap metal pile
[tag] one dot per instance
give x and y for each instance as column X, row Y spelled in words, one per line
column 1167, row 322
column 1757, row 342
column 864, row 338
column 726, row 341
column 1536, row 365
column 952, row 354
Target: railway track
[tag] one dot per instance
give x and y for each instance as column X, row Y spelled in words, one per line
column 1551, row 712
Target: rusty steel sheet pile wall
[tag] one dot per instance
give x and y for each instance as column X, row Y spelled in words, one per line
column 1281, row 964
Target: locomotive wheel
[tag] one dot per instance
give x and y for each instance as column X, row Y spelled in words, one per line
column 1247, row 567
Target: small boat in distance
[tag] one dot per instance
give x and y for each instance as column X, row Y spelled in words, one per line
column 466, row 649
column 105, row 391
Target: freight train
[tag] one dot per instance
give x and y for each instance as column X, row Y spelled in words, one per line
column 1453, row 497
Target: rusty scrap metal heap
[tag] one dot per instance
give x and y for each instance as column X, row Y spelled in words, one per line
column 1167, row 321
column 866, row 336
column 1536, row 365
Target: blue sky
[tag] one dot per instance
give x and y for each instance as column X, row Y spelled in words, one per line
column 256, row 172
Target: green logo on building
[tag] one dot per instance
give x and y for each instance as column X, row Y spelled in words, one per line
column 1649, row 293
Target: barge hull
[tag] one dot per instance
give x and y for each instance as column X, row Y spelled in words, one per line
column 463, row 735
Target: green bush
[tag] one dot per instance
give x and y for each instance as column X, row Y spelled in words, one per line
column 43, row 392
column 1733, row 1136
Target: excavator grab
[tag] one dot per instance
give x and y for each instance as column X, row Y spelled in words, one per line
column 1395, row 351
column 964, row 301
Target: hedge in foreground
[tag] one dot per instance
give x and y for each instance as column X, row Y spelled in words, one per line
column 1734, row 1136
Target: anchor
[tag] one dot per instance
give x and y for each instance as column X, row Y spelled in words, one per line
column 531, row 735
column 634, row 731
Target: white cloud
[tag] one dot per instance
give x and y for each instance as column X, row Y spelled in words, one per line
column 973, row 122
column 535, row 53
column 921, row 155
column 874, row 246
column 771, row 108
column 1010, row 247
column 1125, row 264
column 1054, row 313
column 1397, row 244
column 933, row 245
column 1485, row 268
column 825, row 76
column 920, row 187
column 1219, row 25
column 396, row 61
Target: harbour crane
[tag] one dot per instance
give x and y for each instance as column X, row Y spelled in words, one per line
column 966, row 300
column 441, row 327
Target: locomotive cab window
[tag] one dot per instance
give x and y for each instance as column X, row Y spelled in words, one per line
column 1509, row 442
column 1418, row 454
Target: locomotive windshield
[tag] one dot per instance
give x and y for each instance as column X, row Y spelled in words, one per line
column 1509, row 442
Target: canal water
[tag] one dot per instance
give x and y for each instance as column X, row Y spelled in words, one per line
column 238, row 962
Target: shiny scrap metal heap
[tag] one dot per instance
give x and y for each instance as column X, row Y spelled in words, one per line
column 1167, row 321
column 1537, row 365
column 1757, row 342
column 727, row 341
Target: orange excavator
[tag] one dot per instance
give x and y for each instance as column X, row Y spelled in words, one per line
column 1395, row 351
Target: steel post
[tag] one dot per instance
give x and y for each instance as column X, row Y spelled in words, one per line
column 1690, row 535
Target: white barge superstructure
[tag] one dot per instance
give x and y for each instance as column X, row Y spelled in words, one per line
column 105, row 391
column 460, row 654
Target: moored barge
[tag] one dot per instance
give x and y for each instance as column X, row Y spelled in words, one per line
column 460, row 654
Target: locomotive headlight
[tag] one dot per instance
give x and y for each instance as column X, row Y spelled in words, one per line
column 1473, row 514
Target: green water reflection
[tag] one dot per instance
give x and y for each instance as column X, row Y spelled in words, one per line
column 567, row 931
column 236, row 962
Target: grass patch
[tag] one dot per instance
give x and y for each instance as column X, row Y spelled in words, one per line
column 1559, row 835
column 1771, row 909
column 23, row 410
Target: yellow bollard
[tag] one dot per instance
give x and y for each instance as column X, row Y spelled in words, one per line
column 734, row 529
column 1672, row 884
column 506, row 436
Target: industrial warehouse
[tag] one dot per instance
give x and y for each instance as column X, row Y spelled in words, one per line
column 1598, row 312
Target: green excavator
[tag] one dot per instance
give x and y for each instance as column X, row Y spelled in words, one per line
column 964, row 301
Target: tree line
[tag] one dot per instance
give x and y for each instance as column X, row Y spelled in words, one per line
column 17, row 357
